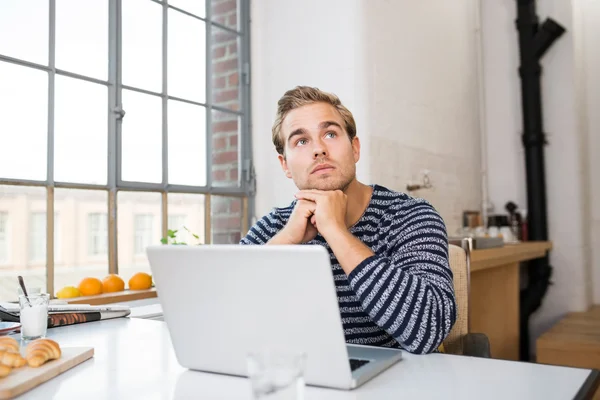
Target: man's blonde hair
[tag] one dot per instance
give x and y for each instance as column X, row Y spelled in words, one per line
column 302, row 96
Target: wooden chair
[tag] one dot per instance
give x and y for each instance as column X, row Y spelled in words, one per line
column 460, row 340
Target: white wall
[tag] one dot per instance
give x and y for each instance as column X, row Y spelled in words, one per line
column 590, row 15
column 310, row 42
column 405, row 69
column 565, row 156
column 423, row 100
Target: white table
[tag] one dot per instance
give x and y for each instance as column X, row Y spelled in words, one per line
column 134, row 359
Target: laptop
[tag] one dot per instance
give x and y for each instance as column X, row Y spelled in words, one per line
column 222, row 302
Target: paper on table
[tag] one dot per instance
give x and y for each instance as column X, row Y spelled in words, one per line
column 14, row 307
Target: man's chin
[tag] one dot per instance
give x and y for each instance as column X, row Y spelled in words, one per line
column 325, row 184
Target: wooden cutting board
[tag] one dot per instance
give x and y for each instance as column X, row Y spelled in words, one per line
column 20, row 380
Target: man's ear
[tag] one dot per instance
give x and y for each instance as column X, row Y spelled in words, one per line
column 284, row 167
column 356, row 148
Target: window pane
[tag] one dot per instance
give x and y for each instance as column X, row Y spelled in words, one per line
column 4, row 245
column 196, row 7
column 37, row 237
column 24, row 121
column 225, row 152
column 26, row 24
column 225, row 12
column 82, row 37
column 142, row 138
column 143, row 224
column 187, row 57
column 80, row 131
column 142, row 44
column 226, row 219
column 97, row 234
column 187, row 144
column 187, row 211
column 139, row 225
column 17, row 205
column 81, row 240
column 225, row 69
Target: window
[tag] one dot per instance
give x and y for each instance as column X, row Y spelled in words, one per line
column 145, row 97
column 37, row 230
column 37, row 251
column 98, row 234
column 3, row 237
column 143, row 232
column 177, row 223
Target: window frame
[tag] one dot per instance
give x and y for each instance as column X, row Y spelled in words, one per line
column 246, row 188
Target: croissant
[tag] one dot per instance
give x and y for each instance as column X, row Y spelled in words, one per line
column 4, row 370
column 9, row 343
column 11, row 359
column 41, row 350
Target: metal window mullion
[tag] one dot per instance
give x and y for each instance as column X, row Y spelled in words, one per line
column 140, row 90
column 209, row 99
column 114, row 131
column 207, row 219
column 22, row 182
column 80, row 77
column 50, row 149
column 189, row 14
column 209, row 133
column 246, row 106
column 165, row 120
column 24, row 63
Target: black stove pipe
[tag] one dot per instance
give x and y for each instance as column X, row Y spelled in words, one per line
column 534, row 40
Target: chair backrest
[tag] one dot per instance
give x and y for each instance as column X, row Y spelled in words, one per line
column 460, row 252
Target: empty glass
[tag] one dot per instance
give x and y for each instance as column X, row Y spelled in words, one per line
column 276, row 375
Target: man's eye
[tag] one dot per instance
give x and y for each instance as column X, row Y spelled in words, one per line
column 331, row 134
column 301, row 142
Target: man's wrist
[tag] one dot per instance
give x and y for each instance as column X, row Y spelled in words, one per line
column 281, row 238
column 333, row 231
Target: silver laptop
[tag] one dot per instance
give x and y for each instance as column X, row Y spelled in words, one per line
column 221, row 302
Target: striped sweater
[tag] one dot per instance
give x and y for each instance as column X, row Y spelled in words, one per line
column 401, row 297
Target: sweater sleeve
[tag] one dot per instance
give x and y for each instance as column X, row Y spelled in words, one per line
column 264, row 229
column 407, row 290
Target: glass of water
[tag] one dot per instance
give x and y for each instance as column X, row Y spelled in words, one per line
column 276, row 375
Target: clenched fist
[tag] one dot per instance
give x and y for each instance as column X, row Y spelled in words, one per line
column 299, row 228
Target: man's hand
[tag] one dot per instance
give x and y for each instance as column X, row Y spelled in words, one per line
column 299, row 228
column 330, row 219
column 330, row 211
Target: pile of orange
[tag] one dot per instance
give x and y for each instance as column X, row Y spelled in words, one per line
column 91, row 286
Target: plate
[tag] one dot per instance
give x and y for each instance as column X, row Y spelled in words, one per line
column 8, row 327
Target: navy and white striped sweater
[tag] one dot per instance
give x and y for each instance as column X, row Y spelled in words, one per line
column 402, row 296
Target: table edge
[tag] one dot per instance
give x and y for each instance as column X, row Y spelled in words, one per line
column 589, row 387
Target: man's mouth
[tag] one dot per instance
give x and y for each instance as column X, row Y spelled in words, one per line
column 322, row 169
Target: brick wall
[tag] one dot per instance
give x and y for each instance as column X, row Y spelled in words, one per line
column 226, row 211
column 226, row 219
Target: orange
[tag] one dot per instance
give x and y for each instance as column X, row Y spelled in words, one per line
column 140, row 281
column 113, row 283
column 90, row 286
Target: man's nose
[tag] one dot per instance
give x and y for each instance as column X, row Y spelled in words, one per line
column 319, row 151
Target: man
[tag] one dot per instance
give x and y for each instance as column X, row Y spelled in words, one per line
column 388, row 251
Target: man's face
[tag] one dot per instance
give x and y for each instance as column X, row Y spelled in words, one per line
column 318, row 152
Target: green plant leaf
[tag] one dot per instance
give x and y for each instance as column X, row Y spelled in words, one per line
column 193, row 234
